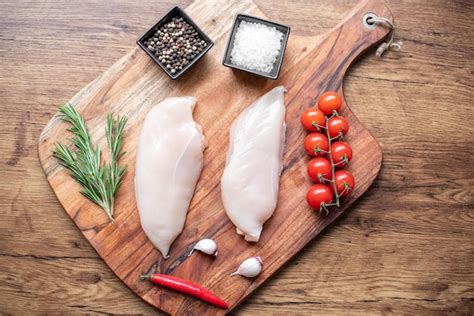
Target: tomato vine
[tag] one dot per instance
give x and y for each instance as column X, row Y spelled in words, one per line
column 328, row 192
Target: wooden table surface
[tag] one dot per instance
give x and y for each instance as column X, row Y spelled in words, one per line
column 406, row 247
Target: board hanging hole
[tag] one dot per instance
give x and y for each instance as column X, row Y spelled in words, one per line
column 369, row 21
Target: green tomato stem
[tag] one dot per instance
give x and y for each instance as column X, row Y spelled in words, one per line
column 333, row 168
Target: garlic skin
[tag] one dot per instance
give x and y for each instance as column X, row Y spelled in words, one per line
column 250, row 267
column 207, row 246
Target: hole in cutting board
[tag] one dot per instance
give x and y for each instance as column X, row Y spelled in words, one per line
column 366, row 20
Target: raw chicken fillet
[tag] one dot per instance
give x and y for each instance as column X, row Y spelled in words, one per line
column 249, row 185
column 168, row 165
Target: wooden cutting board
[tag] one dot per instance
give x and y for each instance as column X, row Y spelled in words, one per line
column 134, row 84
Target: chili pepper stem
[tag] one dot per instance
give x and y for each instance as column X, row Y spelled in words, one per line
column 145, row 277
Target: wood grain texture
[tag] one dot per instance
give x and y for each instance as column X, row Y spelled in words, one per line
column 410, row 237
column 133, row 85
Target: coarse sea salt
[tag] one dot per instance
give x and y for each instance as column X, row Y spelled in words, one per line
column 256, row 46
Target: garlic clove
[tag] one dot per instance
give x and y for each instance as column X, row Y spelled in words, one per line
column 207, row 246
column 250, row 267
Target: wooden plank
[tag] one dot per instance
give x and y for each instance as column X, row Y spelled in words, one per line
column 133, row 85
column 411, row 234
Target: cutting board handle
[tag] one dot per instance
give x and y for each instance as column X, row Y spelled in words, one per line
column 342, row 45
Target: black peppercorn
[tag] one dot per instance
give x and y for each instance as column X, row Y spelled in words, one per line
column 175, row 44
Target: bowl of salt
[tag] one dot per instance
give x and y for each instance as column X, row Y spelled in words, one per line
column 256, row 46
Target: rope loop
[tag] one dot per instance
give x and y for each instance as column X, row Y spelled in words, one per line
column 390, row 44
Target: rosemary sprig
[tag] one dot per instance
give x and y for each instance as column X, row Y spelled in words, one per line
column 100, row 182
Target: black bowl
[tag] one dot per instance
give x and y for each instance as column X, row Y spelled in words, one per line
column 277, row 66
column 176, row 11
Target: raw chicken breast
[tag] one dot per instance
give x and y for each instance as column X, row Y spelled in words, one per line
column 249, row 185
column 168, row 166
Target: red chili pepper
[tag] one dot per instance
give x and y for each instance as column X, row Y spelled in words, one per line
column 185, row 287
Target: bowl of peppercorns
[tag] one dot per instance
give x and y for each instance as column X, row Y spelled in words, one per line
column 175, row 43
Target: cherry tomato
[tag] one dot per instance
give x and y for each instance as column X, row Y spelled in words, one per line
column 344, row 182
column 329, row 101
column 312, row 119
column 337, row 125
column 318, row 168
column 316, row 144
column 319, row 194
column 341, row 153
